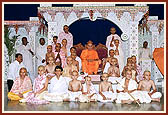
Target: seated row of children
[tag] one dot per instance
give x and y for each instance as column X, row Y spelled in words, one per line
column 57, row 88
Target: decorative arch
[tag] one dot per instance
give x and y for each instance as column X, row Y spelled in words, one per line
column 87, row 30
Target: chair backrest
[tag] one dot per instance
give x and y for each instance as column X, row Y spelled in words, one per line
column 102, row 52
column 79, row 47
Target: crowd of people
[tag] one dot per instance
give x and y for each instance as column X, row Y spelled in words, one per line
column 60, row 71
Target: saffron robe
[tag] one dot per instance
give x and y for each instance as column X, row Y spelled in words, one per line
column 89, row 67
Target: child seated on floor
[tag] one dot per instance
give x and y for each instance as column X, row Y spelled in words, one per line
column 22, row 85
column 50, row 68
column 106, row 92
column 113, row 70
column 126, row 87
column 39, row 89
column 88, row 91
column 75, row 87
column 49, row 53
column 146, row 94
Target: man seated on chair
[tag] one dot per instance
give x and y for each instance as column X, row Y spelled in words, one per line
column 90, row 59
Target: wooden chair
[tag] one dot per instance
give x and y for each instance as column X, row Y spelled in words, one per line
column 79, row 47
column 102, row 52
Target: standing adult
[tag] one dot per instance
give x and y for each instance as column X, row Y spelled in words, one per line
column 41, row 52
column 111, row 38
column 54, row 43
column 66, row 35
column 14, row 69
column 144, row 52
column 26, row 50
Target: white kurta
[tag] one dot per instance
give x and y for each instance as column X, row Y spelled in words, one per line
column 14, row 69
column 80, row 62
column 58, row 90
column 125, row 96
column 108, row 41
column 40, row 54
column 144, row 54
column 120, row 57
column 27, row 58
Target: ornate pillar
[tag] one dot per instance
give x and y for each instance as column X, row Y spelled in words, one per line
column 133, row 40
column 155, row 36
column 32, row 40
column 52, row 31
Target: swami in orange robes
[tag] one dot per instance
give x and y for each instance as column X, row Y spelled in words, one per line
column 90, row 61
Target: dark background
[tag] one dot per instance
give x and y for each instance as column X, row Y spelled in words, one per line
column 82, row 30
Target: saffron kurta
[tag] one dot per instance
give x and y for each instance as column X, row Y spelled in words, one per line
column 89, row 67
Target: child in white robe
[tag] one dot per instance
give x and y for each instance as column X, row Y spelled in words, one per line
column 106, row 93
column 125, row 87
column 89, row 93
column 145, row 94
column 75, row 87
column 114, row 73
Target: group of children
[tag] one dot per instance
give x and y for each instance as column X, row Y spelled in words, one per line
column 75, row 90
column 59, row 80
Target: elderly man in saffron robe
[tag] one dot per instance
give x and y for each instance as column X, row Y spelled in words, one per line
column 90, row 59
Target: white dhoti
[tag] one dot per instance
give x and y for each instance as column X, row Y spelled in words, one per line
column 85, row 98
column 114, row 83
column 156, row 95
column 109, row 95
column 125, row 96
column 55, row 97
column 142, row 96
column 74, row 95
